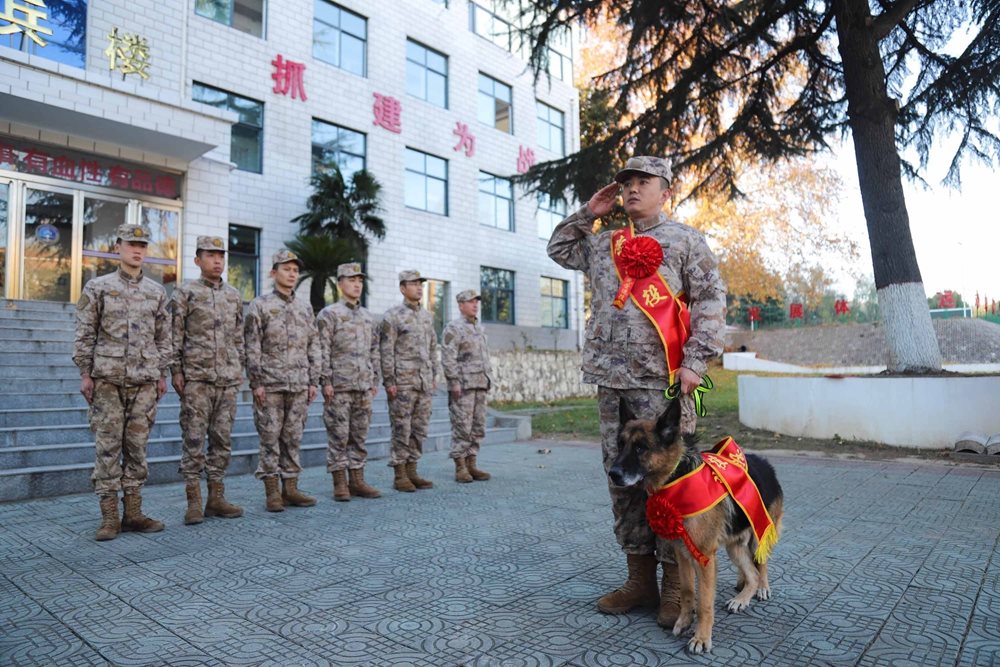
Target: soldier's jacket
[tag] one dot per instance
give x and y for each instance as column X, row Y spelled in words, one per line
column 350, row 344
column 622, row 348
column 122, row 330
column 208, row 333
column 408, row 346
column 465, row 356
column 282, row 345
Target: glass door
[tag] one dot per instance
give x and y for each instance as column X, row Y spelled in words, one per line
column 101, row 218
column 4, row 240
column 47, row 254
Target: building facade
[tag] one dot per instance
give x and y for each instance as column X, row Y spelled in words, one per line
column 209, row 117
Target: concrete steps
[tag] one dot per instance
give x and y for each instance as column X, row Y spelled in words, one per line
column 47, row 448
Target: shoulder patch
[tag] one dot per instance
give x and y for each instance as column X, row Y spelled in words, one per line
column 83, row 301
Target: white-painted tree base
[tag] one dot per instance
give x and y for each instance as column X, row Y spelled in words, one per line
column 909, row 334
column 923, row 412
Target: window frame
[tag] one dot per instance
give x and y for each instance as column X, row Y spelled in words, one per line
column 493, row 194
column 550, row 127
column 550, row 206
column 492, row 96
column 338, row 152
column 240, row 124
column 488, row 301
column 340, row 42
column 551, row 300
column 426, row 176
column 232, row 15
column 237, row 253
column 427, row 69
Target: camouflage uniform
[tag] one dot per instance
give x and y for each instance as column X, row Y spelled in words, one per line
column 623, row 353
column 408, row 347
column 123, row 342
column 208, row 351
column 284, row 356
column 465, row 359
column 350, row 365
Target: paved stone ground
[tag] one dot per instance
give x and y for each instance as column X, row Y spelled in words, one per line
column 881, row 563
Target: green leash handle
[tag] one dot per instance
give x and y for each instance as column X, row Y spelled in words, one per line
column 674, row 390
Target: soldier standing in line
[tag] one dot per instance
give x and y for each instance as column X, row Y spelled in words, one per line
column 207, row 371
column 677, row 296
column 122, row 348
column 350, row 381
column 408, row 345
column 284, row 359
column 465, row 358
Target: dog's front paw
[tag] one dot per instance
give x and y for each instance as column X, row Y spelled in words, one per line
column 737, row 604
column 699, row 645
column 764, row 593
column 682, row 624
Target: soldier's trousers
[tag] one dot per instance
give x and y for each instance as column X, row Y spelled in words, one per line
column 468, row 422
column 280, row 420
column 121, row 418
column 629, row 504
column 410, row 413
column 347, row 417
column 207, row 410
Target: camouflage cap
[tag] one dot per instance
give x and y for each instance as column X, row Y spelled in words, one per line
column 467, row 295
column 284, row 256
column 349, row 270
column 135, row 233
column 211, row 243
column 646, row 164
column 410, row 274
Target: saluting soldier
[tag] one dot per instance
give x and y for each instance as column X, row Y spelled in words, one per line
column 408, row 346
column 122, row 348
column 677, row 296
column 465, row 358
column 350, row 344
column 284, row 359
column 207, row 370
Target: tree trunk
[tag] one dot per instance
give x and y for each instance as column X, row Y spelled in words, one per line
column 910, row 335
column 317, row 293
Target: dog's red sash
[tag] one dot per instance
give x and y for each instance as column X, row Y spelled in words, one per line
column 723, row 472
column 652, row 295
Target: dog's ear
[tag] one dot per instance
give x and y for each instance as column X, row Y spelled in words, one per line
column 625, row 414
column 669, row 423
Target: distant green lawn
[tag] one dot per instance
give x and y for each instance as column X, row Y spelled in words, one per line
column 577, row 417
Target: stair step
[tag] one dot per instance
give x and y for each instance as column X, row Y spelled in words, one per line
column 18, row 306
column 36, row 321
column 49, row 334
column 12, row 348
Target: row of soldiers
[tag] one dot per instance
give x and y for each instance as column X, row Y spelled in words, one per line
column 129, row 339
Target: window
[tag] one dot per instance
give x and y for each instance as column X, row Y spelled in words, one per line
column 555, row 303
column 496, row 201
column 426, row 182
column 495, row 104
column 435, row 300
column 551, row 129
column 244, row 260
column 244, row 15
column 560, row 56
column 426, row 74
column 67, row 21
column 550, row 213
column 488, row 20
column 246, row 146
column 336, row 145
column 340, row 37
column 497, row 289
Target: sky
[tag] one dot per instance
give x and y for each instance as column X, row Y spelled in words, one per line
column 956, row 233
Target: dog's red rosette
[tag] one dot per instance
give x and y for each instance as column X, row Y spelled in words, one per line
column 666, row 521
column 640, row 257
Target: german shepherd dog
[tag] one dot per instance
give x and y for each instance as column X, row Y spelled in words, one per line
column 654, row 454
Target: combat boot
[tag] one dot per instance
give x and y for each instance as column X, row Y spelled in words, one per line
column 110, row 524
column 193, row 514
column 134, row 520
column 418, row 481
column 291, row 495
column 640, row 590
column 402, row 482
column 477, row 474
column 274, row 503
column 340, row 491
column 359, row 487
column 217, row 504
column 670, row 597
column 461, row 472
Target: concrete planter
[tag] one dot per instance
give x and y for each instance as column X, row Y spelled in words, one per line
column 922, row 412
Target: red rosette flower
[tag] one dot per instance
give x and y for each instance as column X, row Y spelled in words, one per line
column 640, row 257
column 666, row 521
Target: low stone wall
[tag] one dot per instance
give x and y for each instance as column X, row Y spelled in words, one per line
column 537, row 375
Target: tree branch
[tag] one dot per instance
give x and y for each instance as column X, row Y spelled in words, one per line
column 891, row 17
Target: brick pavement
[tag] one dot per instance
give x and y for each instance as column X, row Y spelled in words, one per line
column 882, row 563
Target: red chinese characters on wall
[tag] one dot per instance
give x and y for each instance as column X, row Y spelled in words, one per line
column 289, row 78
column 525, row 159
column 466, row 140
column 388, row 113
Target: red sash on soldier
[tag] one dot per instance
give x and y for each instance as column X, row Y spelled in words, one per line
column 637, row 260
column 723, row 472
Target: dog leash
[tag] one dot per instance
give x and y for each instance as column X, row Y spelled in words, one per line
column 674, row 390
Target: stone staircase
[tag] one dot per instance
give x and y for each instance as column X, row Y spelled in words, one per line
column 47, row 449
